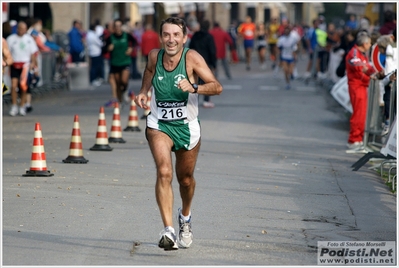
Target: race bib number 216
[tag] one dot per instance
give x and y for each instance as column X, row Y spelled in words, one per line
column 170, row 111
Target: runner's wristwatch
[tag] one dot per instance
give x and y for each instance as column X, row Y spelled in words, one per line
column 195, row 86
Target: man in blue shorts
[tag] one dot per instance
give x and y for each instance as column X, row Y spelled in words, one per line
column 173, row 124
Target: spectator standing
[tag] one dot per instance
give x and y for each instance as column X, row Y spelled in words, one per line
column 358, row 71
column 23, row 50
column 120, row 44
column 35, row 27
column 99, row 29
column 348, row 40
column 386, row 46
column 76, row 45
column 233, row 49
column 50, row 43
column 333, row 39
column 6, row 30
column 94, row 49
column 149, row 41
column 322, row 55
column 108, row 30
column 322, row 23
column 261, row 43
column 272, row 37
column 311, row 43
column 247, row 31
column 351, row 23
column 137, row 33
column 389, row 25
column 203, row 42
column 221, row 39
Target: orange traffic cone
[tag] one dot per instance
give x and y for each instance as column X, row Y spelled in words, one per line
column 75, row 147
column 148, row 110
column 116, row 130
column 38, row 166
column 102, row 136
column 133, row 122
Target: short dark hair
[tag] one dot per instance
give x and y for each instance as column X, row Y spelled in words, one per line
column 177, row 21
column 204, row 25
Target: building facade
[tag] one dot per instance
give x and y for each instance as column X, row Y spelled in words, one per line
column 58, row 16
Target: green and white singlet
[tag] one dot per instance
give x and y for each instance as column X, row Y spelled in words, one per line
column 173, row 111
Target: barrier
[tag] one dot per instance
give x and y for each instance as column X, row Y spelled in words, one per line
column 47, row 67
column 373, row 128
column 374, row 117
column 390, row 148
column 78, row 76
column 341, row 94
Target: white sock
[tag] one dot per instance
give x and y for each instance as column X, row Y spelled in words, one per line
column 186, row 218
column 170, row 228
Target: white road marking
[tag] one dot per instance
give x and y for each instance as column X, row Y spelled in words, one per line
column 269, row 88
column 232, row 87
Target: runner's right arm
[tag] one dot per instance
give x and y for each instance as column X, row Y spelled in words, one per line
column 149, row 71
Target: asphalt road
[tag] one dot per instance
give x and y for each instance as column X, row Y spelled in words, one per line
column 272, row 177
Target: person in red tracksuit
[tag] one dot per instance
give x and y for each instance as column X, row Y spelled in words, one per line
column 149, row 41
column 358, row 70
column 221, row 38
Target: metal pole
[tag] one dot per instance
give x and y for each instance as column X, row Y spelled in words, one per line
column 392, row 99
column 369, row 113
column 31, row 10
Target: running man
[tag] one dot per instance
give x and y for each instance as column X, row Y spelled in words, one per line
column 23, row 50
column 247, row 30
column 272, row 37
column 120, row 44
column 173, row 123
column 288, row 44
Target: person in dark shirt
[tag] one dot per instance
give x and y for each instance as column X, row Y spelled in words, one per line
column 203, row 42
column 389, row 25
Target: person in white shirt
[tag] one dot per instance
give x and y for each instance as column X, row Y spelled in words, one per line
column 94, row 47
column 288, row 44
column 23, row 50
column 386, row 47
column 99, row 29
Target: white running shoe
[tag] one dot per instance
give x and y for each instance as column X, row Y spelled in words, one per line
column 355, row 145
column 22, row 111
column 385, row 130
column 14, row 110
column 167, row 239
column 185, row 238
